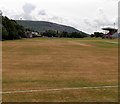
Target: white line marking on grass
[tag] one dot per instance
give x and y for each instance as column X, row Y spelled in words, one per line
column 60, row 89
column 113, row 42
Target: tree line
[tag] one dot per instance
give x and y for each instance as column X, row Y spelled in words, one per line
column 97, row 34
column 11, row 29
column 64, row 34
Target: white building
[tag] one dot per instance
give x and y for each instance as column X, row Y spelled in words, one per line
column 35, row 33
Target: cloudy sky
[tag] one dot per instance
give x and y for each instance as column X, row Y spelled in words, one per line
column 85, row 15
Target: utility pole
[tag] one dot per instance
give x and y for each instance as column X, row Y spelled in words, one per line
column 103, row 30
column 20, row 18
column 96, row 28
column 114, row 25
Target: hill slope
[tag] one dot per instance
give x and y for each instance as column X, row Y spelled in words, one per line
column 42, row 26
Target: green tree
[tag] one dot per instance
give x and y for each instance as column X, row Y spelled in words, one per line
column 12, row 29
column 98, row 34
column 64, row 34
column 4, row 33
column 50, row 33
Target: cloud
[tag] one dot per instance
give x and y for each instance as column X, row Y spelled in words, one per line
column 27, row 10
column 42, row 13
column 27, row 13
column 45, row 16
column 97, row 13
column 113, row 0
column 17, row 16
column 99, row 20
column 103, row 19
column 56, row 19
column 88, row 22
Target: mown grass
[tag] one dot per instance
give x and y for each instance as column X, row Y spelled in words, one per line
column 55, row 38
column 103, row 44
column 85, row 95
column 59, row 63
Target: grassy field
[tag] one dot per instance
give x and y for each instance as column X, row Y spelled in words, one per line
column 49, row 63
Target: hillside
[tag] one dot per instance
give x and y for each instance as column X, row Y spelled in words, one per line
column 42, row 26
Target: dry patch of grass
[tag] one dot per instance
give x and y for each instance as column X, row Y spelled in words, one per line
column 59, row 63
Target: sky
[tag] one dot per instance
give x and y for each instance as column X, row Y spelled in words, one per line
column 85, row 15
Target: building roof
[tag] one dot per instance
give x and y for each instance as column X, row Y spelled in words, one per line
column 110, row 29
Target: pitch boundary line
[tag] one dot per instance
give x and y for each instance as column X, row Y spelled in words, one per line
column 113, row 42
column 57, row 89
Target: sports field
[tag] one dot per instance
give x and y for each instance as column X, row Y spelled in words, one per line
column 55, row 63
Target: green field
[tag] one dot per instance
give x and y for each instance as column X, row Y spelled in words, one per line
column 56, row 63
